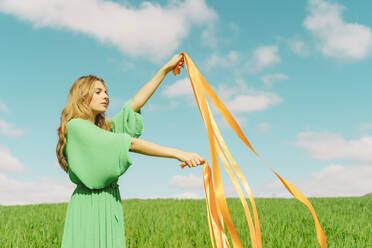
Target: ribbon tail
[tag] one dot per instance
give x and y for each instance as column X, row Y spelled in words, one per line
column 254, row 229
column 215, row 213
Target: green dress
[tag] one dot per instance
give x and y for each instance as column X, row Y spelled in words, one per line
column 96, row 159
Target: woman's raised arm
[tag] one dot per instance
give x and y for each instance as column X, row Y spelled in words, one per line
column 141, row 97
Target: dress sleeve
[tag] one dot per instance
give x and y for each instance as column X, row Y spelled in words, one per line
column 96, row 156
column 128, row 121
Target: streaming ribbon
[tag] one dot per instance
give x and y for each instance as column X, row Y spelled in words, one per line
column 217, row 209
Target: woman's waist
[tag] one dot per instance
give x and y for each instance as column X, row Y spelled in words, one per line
column 113, row 185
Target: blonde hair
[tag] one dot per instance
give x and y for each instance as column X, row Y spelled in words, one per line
column 77, row 106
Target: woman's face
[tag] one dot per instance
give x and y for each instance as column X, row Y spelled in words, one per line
column 100, row 97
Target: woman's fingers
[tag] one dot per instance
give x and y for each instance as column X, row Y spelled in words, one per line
column 191, row 163
column 180, row 60
column 194, row 160
column 197, row 162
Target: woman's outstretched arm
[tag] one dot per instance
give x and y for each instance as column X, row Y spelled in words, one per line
column 148, row 90
column 152, row 149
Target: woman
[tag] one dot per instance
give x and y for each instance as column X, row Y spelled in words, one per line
column 93, row 150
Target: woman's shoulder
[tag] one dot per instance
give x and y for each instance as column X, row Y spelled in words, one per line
column 79, row 124
column 76, row 122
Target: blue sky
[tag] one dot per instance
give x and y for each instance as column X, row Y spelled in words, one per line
column 296, row 76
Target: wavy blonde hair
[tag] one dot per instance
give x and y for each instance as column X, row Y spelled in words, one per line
column 77, row 106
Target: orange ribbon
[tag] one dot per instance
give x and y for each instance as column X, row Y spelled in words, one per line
column 217, row 209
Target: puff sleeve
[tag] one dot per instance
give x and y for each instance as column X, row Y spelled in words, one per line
column 97, row 157
column 128, row 121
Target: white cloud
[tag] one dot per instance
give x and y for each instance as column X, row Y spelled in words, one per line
column 187, row 182
column 230, row 60
column 209, row 37
column 365, row 126
column 225, row 91
column 181, row 87
column 271, row 78
column 263, row 57
column 242, row 98
column 4, row 108
column 192, row 182
column 238, row 98
column 150, row 31
column 15, row 192
column 221, row 122
column 9, row 163
column 337, row 38
column 331, row 181
column 326, row 146
column 187, row 195
column 256, row 101
column 184, row 195
column 299, row 47
column 10, row 129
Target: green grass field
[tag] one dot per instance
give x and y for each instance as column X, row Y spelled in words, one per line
column 347, row 222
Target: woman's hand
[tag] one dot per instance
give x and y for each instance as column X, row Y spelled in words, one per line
column 176, row 61
column 190, row 158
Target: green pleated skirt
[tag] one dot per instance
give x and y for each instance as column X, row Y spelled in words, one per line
column 94, row 218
